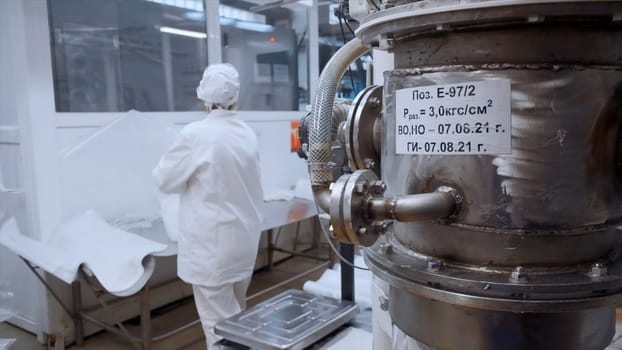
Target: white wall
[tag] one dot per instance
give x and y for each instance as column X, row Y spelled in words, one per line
column 25, row 99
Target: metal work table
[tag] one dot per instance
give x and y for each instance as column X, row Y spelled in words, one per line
column 281, row 213
column 276, row 215
column 302, row 327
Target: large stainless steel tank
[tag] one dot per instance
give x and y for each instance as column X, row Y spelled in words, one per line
column 500, row 163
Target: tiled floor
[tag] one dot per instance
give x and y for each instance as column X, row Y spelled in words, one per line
column 184, row 312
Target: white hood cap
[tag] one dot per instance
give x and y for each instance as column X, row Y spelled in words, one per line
column 220, row 85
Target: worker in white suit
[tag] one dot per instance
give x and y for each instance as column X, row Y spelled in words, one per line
column 214, row 166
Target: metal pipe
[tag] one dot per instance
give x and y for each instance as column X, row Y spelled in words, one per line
column 322, row 111
column 414, row 207
column 322, row 197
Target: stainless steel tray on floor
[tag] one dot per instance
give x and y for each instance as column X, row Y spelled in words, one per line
column 291, row 320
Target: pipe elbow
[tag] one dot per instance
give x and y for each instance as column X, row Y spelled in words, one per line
column 322, row 197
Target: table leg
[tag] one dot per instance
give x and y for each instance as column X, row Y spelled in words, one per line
column 145, row 317
column 315, row 237
column 77, row 309
column 270, row 249
column 296, row 236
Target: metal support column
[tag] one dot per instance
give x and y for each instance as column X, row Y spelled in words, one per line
column 270, row 248
column 347, row 271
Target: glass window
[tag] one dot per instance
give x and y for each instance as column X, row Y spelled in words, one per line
column 268, row 45
column 333, row 33
column 117, row 55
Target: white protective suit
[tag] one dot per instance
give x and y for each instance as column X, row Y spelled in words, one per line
column 214, row 166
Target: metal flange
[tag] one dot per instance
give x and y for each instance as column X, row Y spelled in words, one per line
column 363, row 130
column 348, row 208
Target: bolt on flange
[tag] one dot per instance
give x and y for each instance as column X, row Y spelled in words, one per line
column 386, row 248
column 434, row 265
column 374, row 102
column 519, row 275
column 597, row 270
column 381, row 227
column 361, row 187
column 378, row 187
column 369, row 163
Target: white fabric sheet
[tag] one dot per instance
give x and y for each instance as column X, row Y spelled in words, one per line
column 121, row 261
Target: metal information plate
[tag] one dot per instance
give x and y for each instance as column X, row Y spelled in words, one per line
column 464, row 118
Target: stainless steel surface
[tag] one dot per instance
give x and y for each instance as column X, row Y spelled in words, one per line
column 531, row 259
column 322, row 197
column 362, row 320
column 358, row 210
column 290, row 320
column 275, row 214
column 485, row 329
column 536, row 289
column 418, row 207
column 417, row 19
column 348, row 218
column 281, row 213
column 547, row 193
